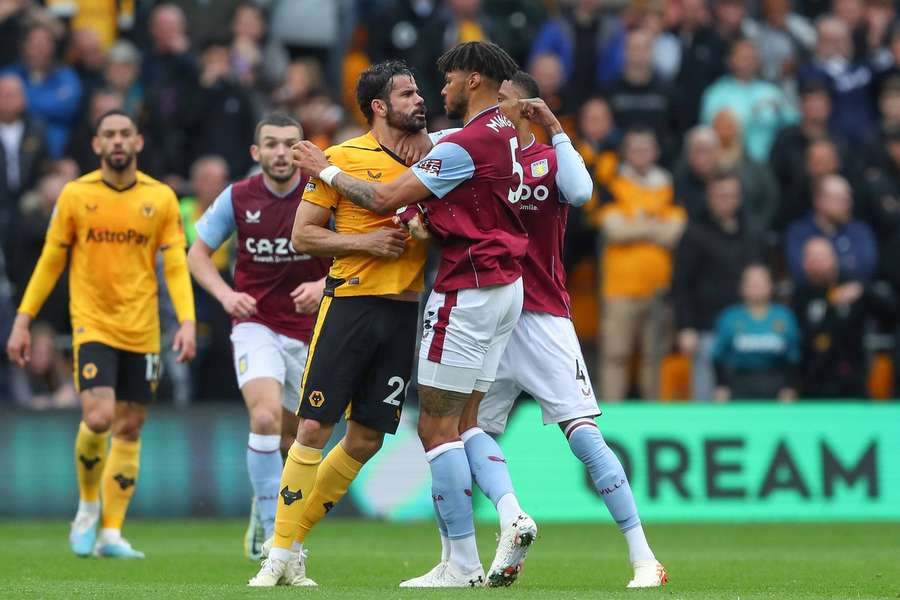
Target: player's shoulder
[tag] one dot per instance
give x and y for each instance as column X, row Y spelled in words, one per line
column 354, row 149
column 154, row 186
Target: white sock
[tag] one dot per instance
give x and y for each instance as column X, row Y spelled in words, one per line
column 464, row 554
column 638, row 548
column 280, row 554
column 109, row 536
column 445, row 548
column 508, row 510
column 297, row 547
column 88, row 508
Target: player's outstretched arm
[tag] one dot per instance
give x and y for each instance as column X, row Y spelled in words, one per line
column 178, row 282
column 312, row 236
column 236, row 304
column 382, row 198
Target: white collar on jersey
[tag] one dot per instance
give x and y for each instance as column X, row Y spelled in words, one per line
column 284, row 195
column 481, row 113
column 529, row 144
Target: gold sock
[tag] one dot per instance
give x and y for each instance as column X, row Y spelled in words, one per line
column 90, row 454
column 335, row 475
column 119, row 477
column 297, row 481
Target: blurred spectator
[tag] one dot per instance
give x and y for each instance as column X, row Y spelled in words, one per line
column 696, row 170
column 87, row 54
column 208, row 19
column 547, row 71
column 641, row 226
column 53, row 90
column 80, row 146
column 853, row 241
column 168, row 75
column 209, row 176
column 710, row 257
column 303, row 95
column 852, row 15
column 122, row 74
column 882, row 208
column 701, row 60
column 850, row 81
column 760, row 192
column 760, row 106
column 880, row 17
column 257, row 59
column 23, row 151
column 578, row 36
column 46, row 381
column 638, row 97
column 14, row 16
column 757, row 344
column 395, row 31
column 27, row 241
column 785, row 40
column 832, row 318
column 292, row 25
column 219, row 110
column 822, row 158
column 788, row 155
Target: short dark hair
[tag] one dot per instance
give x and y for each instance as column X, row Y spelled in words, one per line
column 720, row 175
column 115, row 111
column 376, row 82
column 813, row 85
column 276, row 119
column 525, row 82
column 487, row 58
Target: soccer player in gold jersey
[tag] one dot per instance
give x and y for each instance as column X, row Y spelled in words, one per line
column 110, row 225
column 363, row 344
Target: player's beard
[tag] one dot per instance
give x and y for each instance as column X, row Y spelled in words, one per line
column 270, row 172
column 412, row 122
column 119, row 164
column 457, row 106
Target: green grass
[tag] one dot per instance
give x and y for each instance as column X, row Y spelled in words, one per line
column 362, row 560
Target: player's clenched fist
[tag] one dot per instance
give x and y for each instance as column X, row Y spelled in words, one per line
column 387, row 242
column 308, row 295
column 239, row 304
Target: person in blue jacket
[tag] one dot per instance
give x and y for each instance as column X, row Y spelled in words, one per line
column 53, row 90
column 757, row 345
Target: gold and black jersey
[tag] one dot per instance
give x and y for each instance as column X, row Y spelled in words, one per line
column 362, row 274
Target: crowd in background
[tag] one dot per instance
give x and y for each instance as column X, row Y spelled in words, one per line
column 742, row 238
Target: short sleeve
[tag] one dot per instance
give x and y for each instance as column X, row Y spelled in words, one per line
column 444, row 168
column 217, row 223
column 172, row 233
column 62, row 223
column 320, row 193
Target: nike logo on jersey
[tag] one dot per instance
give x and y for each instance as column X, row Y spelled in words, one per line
column 252, row 217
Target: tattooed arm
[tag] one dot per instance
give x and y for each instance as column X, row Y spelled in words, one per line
column 381, row 198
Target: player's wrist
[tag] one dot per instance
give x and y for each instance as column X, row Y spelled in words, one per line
column 22, row 321
column 329, row 173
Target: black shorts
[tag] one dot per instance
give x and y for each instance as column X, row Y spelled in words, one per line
column 133, row 375
column 360, row 361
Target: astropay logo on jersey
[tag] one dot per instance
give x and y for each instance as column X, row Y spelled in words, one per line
column 108, row 236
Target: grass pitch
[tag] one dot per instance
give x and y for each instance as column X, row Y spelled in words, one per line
column 362, row 560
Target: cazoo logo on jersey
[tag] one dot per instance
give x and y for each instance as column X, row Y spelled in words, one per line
column 273, row 250
column 527, row 192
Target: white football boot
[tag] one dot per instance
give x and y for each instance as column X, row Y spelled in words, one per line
column 446, row 575
column 271, row 573
column 253, row 537
column 515, row 541
column 295, row 574
column 648, row 574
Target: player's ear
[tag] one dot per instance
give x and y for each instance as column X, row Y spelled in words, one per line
column 138, row 143
column 254, row 152
column 379, row 107
column 95, row 145
column 474, row 80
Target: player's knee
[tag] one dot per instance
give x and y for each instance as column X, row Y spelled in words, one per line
column 436, row 431
column 362, row 449
column 128, row 425
column 265, row 422
column 98, row 419
column 313, row 433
